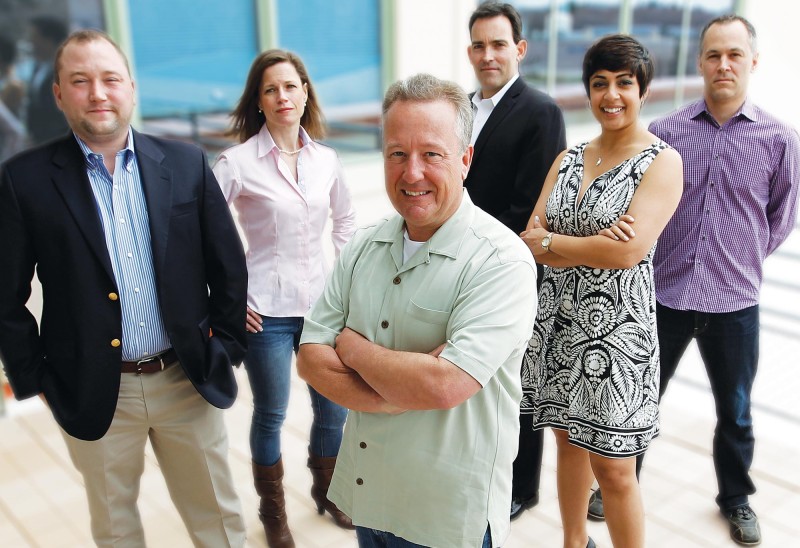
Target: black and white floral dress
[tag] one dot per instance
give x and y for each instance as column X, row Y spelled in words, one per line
column 592, row 364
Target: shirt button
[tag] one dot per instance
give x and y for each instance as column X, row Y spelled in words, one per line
column 359, row 481
column 384, row 324
column 362, row 445
column 130, row 255
column 112, row 296
column 135, row 289
column 396, row 280
column 141, row 324
column 122, row 221
column 115, row 343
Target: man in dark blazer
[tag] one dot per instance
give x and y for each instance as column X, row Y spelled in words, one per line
column 517, row 135
column 144, row 288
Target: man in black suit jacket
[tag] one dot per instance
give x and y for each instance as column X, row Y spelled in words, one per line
column 517, row 135
column 144, row 289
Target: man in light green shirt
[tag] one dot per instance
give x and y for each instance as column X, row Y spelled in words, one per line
column 420, row 332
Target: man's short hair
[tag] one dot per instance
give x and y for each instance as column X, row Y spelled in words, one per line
column 493, row 9
column 423, row 88
column 83, row 37
column 725, row 20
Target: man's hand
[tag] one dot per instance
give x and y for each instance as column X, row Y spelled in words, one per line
column 322, row 368
column 438, row 350
column 350, row 346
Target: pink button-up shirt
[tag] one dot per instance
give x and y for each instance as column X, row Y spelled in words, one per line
column 283, row 220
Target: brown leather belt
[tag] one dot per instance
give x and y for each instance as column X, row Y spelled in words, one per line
column 153, row 364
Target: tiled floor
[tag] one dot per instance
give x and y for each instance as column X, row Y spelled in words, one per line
column 42, row 502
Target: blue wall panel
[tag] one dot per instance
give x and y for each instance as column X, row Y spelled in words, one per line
column 191, row 56
column 339, row 42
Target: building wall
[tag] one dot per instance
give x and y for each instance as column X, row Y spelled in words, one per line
column 431, row 36
column 776, row 81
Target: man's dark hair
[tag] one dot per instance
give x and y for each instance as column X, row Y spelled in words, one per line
column 493, row 9
column 52, row 28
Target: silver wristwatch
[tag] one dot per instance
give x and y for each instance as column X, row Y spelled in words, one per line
column 546, row 241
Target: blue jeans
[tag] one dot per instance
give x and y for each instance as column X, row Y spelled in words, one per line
column 728, row 344
column 269, row 369
column 372, row 538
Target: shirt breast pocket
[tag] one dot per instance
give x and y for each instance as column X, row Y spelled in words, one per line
column 424, row 328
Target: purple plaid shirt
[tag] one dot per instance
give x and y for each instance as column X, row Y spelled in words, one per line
column 739, row 204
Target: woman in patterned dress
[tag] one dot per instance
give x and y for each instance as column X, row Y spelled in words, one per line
column 591, row 369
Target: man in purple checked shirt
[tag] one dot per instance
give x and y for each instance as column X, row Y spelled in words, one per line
column 739, row 203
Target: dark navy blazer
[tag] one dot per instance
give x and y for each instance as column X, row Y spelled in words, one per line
column 49, row 221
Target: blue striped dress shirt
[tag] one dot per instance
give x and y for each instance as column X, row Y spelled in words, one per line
column 123, row 212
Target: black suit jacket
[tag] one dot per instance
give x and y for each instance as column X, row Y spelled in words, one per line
column 513, row 153
column 49, row 221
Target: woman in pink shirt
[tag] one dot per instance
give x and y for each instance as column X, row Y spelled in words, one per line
column 283, row 184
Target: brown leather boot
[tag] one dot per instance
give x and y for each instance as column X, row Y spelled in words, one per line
column 322, row 472
column 272, row 510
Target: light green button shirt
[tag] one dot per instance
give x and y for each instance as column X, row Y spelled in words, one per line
column 438, row 477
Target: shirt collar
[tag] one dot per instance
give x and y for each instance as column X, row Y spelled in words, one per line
column 477, row 97
column 445, row 241
column 94, row 160
column 266, row 143
column 748, row 110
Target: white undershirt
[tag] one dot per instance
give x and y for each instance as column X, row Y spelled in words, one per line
column 484, row 107
column 409, row 247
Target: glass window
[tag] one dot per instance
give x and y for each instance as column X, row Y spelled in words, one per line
column 343, row 59
column 199, row 65
column 660, row 24
column 553, row 62
column 535, row 16
column 30, row 33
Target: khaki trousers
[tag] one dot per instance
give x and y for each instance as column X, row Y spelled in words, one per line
column 190, row 442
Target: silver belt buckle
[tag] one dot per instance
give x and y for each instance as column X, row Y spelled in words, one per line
column 159, row 357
